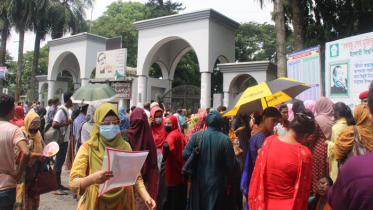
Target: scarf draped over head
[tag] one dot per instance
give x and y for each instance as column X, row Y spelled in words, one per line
column 201, row 124
column 298, row 106
column 290, row 112
column 125, row 123
column 29, row 119
column 346, row 138
column 141, row 139
column 18, row 117
column 96, row 151
column 158, row 131
column 309, row 104
column 42, row 112
column 214, row 120
column 325, row 118
column 178, row 120
column 90, row 116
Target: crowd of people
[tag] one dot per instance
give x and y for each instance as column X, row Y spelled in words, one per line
column 301, row 155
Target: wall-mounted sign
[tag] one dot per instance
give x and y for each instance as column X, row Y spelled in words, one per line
column 124, row 89
column 108, row 62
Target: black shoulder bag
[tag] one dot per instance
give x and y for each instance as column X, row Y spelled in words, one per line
column 190, row 166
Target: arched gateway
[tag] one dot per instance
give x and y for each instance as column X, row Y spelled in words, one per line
column 165, row 40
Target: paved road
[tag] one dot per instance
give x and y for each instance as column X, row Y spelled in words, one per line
column 49, row 201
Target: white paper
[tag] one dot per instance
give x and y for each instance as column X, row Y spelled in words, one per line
column 125, row 166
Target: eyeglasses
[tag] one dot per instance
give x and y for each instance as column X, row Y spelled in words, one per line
column 34, row 126
column 325, row 184
column 107, row 122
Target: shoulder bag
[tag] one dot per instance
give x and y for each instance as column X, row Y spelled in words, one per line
column 54, row 134
column 46, row 181
column 358, row 149
column 190, row 165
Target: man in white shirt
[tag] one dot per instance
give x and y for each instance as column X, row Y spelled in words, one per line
column 147, row 109
column 62, row 121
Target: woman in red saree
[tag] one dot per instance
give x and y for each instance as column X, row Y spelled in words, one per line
column 283, row 170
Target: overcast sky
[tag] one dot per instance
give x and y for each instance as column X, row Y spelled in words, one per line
column 239, row 10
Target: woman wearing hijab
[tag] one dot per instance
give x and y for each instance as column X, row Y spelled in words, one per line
column 310, row 105
column 141, row 139
column 282, row 175
column 201, row 124
column 298, row 106
column 172, row 188
column 156, row 123
column 344, row 118
column 216, row 156
column 316, row 142
column 125, row 123
column 18, row 117
column 41, row 114
column 25, row 200
column 86, row 174
column 178, row 120
column 346, row 139
column 241, row 126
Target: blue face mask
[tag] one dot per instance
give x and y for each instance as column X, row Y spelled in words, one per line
column 167, row 129
column 109, row 131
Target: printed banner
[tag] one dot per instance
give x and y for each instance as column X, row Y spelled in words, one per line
column 122, row 88
column 304, row 66
column 349, row 68
column 110, row 62
column 2, row 71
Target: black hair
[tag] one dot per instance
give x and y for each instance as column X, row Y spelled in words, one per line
column 315, row 201
column 344, row 111
column 84, row 108
column 133, row 108
column 75, row 114
column 98, row 57
column 50, row 102
column 283, row 106
column 370, row 98
column 304, row 122
column 19, row 103
column 335, row 69
column 56, row 100
column 268, row 112
column 146, row 105
column 128, row 110
column 223, row 108
column 298, row 107
column 166, row 114
column 111, row 113
column 6, row 104
column 67, row 96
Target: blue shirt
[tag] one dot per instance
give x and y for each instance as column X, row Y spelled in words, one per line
column 51, row 112
column 255, row 144
column 77, row 124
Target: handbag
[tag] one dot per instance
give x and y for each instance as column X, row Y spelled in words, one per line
column 358, row 149
column 190, row 165
column 46, row 181
column 54, row 134
column 30, row 173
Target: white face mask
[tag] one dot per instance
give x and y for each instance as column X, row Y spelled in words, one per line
column 158, row 120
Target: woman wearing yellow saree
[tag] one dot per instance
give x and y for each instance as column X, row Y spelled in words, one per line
column 86, row 174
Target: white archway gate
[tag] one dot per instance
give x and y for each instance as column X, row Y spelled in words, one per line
column 166, row 39
column 236, row 74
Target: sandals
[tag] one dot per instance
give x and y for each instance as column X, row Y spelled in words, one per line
column 64, row 188
column 60, row 192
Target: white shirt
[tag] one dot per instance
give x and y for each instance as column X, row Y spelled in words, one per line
column 61, row 118
column 147, row 113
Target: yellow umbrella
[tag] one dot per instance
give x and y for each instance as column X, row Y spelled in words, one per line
column 267, row 94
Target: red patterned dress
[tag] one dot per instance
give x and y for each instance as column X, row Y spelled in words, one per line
column 320, row 166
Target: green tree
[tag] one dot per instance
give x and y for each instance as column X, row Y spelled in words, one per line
column 19, row 12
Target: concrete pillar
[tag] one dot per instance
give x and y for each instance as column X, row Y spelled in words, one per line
column 226, row 99
column 206, row 89
column 51, row 88
column 141, row 90
column 122, row 103
column 84, row 81
column 41, row 99
column 76, row 86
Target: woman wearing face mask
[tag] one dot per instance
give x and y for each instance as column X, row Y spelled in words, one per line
column 172, row 188
column 282, row 175
column 266, row 122
column 141, row 139
column 24, row 199
column 320, row 202
column 156, row 123
column 86, row 174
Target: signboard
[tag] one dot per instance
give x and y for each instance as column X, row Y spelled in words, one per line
column 5, row 90
column 123, row 89
column 2, row 71
column 348, row 68
column 109, row 62
column 304, row 66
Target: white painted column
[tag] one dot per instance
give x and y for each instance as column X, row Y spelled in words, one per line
column 84, row 81
column 141, row 90
column 226, row 99
column 206, row 89
column 51, row 88
column 41, row 99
